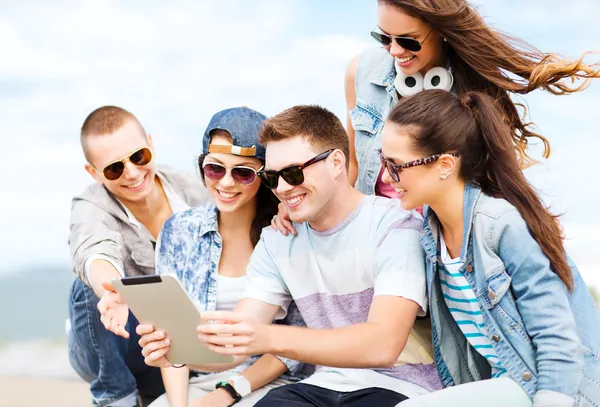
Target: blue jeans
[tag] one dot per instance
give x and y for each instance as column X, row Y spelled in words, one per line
column 114, row 366
column 307, row 395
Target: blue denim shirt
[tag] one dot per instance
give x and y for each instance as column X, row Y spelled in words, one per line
column 189, row 248
column 546, row 337
column 375, row 97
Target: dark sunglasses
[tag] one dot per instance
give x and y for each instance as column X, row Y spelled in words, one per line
column 240, row 174
column 293, row 175
column 407, row 43
column 394, row 169
column 115, row 170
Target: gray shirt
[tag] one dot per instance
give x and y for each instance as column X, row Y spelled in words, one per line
column 101, row 227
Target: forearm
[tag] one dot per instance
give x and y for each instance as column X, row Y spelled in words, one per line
column 357, row 346
column 264, row 371
column 220, row 367
column 176, row 381
column 101, row 271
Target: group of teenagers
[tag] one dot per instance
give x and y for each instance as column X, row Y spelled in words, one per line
column 402, row 260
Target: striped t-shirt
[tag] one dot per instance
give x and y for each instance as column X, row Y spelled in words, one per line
column 333, row 277
column 463, row 305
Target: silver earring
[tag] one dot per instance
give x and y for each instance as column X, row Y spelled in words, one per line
column 443, row 176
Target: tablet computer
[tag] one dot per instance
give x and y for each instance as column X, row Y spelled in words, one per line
column 162, row 302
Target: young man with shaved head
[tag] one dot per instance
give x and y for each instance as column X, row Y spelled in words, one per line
column 114, row 226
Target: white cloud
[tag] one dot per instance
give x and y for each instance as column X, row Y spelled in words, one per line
column 175, row 64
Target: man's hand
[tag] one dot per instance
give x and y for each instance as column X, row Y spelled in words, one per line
column 113, row 311
column 216, row 398
column 234, row 333
column 281, row 222
column 155, row 346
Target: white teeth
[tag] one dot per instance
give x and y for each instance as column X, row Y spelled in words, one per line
column 227, row 195
column 400, row 190
column 403, row 60
column 136, row 185
column 294, row 200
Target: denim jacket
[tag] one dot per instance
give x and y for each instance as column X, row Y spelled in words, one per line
column 189, row 248
column 546, row 337
column 375, row 97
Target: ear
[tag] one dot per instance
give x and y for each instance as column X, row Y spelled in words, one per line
column 338, row 162
column 447, row 166
column 90, row 170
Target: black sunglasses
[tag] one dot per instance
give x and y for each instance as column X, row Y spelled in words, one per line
column 394, row 169
column 407, row 43
column 293, row 174
column 115, row 170
column 240, row 174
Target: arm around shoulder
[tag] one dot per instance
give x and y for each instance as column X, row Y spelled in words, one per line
column 350, row 90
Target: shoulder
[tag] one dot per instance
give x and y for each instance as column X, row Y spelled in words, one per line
column 374, row 60
column 196, row 220
column 387, row 214
column 96, row 203
column 494, row 217
column 186, row 184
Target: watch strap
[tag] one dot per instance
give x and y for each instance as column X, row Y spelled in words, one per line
column 229, row 389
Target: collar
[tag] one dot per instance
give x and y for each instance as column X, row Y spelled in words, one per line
column 208, row 216
column 430, row 232
column 384, row 73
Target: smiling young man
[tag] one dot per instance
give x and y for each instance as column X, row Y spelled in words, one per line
column 114, row 225
column 355, row 270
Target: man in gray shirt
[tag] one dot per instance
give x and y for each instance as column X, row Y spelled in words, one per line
column 114, row 225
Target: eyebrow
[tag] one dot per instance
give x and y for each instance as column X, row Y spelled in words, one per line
column 409, row 34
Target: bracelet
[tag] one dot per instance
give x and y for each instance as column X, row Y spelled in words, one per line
column 179, row 366
column 229, row 389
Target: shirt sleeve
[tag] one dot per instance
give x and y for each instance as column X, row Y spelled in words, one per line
column 400, row 266
column 264, row 282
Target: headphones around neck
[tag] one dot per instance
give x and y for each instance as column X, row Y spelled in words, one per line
column 436, row 78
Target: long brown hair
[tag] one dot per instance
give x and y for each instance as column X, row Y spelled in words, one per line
column 488, row 61
column 472, row 125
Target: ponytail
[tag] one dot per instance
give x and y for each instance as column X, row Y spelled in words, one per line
column 502, row 176
column 473, row 125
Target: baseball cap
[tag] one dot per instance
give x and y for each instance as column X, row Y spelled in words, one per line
column 242, row 124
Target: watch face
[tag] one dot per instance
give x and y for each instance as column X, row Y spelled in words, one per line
column 241, row 385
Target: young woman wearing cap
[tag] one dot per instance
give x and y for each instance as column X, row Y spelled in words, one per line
column 208, row 247
column 443, row 44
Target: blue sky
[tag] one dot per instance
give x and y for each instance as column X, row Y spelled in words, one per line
column 174, row 64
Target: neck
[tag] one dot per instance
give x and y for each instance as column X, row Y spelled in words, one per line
column 344, row 202
column 237, row 223
column 440, row 61
column 152, row 204
column 449, row 210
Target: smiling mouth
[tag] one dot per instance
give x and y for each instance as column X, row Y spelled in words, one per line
column 137, row 184
column 294, row 201
column 227, row 195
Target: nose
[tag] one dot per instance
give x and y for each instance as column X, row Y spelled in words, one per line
column 396, row 50
column 131, row 171
column 386, row 177
column 227, row 180
column 283, row 186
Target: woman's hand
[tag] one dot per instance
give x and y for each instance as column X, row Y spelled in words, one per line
column 281, row 222
column 114, row 313
column 216, row 398
column 155, row 346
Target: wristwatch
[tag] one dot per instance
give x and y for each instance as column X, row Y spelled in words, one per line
column 229, row 389
column 241, row 385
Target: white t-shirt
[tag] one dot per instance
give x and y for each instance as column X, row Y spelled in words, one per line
column 229, row 291
column 334, row 275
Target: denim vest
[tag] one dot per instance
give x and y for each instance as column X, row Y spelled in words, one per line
column 546, row 337
column 375, row 97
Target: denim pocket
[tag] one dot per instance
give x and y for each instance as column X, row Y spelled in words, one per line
column 366, row 118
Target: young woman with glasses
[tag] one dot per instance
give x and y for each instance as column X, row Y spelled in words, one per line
column 207, row 248
column 443, row 44
column 513, row 322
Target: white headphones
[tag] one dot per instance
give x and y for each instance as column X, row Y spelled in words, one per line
column 435, row 78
